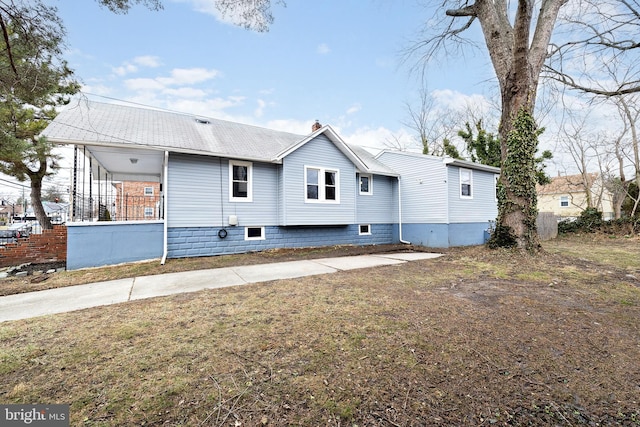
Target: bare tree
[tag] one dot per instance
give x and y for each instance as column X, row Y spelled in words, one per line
column 518, row 37
column 629, row 108
column 251, row 14
column 432, row 123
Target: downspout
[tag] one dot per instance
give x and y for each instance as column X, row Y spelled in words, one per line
column 165, row 192
column 400, row 214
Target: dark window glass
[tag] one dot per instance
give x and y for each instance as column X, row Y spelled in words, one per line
column 254, row 232
column 364, row 184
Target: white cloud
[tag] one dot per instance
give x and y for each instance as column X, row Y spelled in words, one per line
column 143, row 84
column 147, row 61
column 289, row 125
column 214, row 107
column 234, row 17
column 178, row 77
column 186, row 92
column 134, row 65
column 457, row 101
column 354, row 109
column 125, row 69
column 260, row 110
column 380, row 138
column 182, row 76
column 97, row 89
column 323, row 49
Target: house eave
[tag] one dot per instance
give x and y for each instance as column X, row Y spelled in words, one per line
column 335, row 139
column 159, row 148
column 470, row 165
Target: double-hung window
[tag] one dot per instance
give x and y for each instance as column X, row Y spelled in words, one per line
column 564, row 201
column 240, row 181
column 322, row 185
column 466, row 183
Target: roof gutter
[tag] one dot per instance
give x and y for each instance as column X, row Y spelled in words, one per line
column 165, row 203
column 400, row 213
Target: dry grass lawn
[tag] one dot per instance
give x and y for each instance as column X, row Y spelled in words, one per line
column 477, row 337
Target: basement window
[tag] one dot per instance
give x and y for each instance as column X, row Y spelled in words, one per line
column 364, row 230
column 254, row 233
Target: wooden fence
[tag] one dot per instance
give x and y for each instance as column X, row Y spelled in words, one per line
column 547, row 224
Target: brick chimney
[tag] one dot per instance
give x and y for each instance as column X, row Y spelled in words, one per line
column 315, row 126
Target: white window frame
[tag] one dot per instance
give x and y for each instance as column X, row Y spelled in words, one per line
column 322, row 185
column 148, row 212
column 364, row 233
column 496, row 180
column 565, row 198
column 370, row 178
column 148, row 193
column 464, row 182
column 249, row 167
column 246, row 234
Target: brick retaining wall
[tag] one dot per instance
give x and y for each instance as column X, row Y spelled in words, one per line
column 50, row 246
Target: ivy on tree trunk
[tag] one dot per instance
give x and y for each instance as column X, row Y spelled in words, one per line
column 517, row 199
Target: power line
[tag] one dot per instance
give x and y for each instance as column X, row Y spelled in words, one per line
column 15, row 184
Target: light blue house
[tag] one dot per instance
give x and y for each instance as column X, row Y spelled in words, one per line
column 233, row 188
column 444, row 202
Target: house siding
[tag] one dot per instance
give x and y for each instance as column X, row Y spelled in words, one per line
column 193, row 193
column 482, row 207
column 199, row 193
column 380, row 207
column 322, row 153
column 423, row 186
column 204, row 241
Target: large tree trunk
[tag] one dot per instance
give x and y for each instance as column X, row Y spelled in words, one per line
column 517, row 59
column 36, row 199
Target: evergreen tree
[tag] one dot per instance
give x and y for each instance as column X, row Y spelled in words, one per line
column 484, row 147
column 34, row 80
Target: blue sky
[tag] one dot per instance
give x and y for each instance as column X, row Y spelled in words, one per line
column 337, row 61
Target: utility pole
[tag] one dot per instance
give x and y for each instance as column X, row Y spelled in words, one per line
column 24, row 207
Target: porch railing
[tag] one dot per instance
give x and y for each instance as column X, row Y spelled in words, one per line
column 118, row 208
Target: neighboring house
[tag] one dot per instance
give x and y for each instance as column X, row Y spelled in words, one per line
column 566, row 196
column 445, row 202
column 231, row 188
column 57, row 212
column 9, row 212
column 136, row 201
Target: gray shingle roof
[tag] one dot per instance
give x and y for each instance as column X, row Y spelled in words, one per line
column 94, row 123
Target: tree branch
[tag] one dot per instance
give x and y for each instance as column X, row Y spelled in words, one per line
column 5, row 34
column 625, row 88
column 470, row 10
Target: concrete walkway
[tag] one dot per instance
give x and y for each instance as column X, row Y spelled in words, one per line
column 70, row 298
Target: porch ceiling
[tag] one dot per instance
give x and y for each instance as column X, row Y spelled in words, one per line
column 128, row 164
